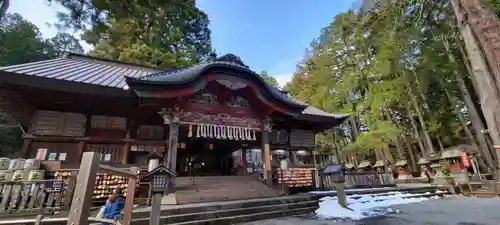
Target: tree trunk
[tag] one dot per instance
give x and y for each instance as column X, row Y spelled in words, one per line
column 428, row 141
column 399, row 148
column 477, row 123
column 488, row 91
column 413, row 161
column 4, row 5
column 428, row 111
column 415, row 131
column 485, row 28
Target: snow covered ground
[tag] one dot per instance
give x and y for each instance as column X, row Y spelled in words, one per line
column 367, row 205
column 455, row 210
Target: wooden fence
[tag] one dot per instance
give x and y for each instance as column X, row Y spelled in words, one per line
column 359, row 180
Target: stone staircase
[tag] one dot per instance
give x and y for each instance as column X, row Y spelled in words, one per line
column 220, row 188
column 231, row 212
column 242, row 211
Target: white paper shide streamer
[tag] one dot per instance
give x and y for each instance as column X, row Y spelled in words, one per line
column 222, row 132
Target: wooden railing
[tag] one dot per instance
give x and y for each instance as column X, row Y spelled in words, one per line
column 358, row 180
column 42, row 196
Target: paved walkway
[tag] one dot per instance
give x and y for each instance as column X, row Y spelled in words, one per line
column 457, row 210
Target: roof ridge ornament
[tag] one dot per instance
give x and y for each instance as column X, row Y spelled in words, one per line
column 233, row 59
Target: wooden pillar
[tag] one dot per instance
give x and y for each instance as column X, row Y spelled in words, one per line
column 172, row 146
column 126, row 150
column 171, row 118
column 129, row 201
column 24, row 153
column 266, row 151
column 244, row 160
column 80, row 206
column 81, row 149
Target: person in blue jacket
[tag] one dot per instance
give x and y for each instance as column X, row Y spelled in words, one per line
column 114, row 206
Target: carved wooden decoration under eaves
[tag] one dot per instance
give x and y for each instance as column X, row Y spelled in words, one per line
column 58, row 123
column 238, row 102
column 204, row 98
column 220, row 119
column 301, row 138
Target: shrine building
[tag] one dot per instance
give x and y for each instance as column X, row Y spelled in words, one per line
column 214, row 121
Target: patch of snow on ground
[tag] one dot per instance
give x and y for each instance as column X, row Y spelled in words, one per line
column 367, row 205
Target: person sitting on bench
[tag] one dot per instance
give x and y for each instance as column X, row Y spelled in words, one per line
column 113, row 207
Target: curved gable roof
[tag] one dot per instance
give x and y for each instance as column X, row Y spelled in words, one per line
column 190, row 76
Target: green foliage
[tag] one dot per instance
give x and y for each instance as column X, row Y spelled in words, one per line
column 165, row 34
column 494, row 5
column 22, row 42
column 64, row 42
column 445, row 167
column 380, row 61
column 269, row 79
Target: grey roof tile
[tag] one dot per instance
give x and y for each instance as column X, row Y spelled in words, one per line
column 83, row 69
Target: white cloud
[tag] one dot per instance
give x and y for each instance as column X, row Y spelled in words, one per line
column 284, row 70
column 283, row 78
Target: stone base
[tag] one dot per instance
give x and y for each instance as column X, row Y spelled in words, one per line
column 442, row 180
column 404, row 177
column 169, row 199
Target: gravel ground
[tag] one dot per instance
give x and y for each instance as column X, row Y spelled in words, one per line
column 450, row 211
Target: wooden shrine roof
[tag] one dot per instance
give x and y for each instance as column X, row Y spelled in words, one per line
column 82, row 69
column 86, row 74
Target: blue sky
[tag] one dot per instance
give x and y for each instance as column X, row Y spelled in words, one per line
column 269, row 35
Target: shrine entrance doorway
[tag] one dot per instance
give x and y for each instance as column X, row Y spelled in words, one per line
column 202, row 157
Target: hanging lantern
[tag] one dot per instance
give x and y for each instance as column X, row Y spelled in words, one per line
column 211, row 147
column 254, row 138
column 198, row 131
column 183, row 145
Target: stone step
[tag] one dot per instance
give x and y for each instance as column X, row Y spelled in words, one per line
column 191, row 200
column 187, row 199
column 250, row 217
column 224, row 205
column 228, row 213
column 220, row 188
